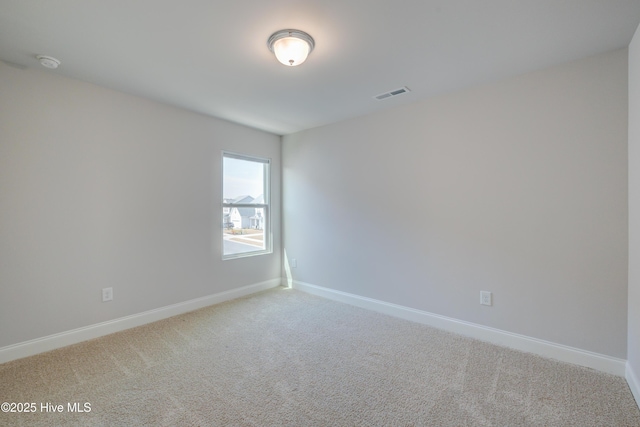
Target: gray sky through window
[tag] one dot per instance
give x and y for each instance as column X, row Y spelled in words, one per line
column 242, row 177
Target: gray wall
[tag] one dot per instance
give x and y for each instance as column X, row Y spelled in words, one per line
column 518, row 187
column 98, row 189
column 634, row 206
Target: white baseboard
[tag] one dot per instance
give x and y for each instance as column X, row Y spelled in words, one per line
column 634, row 383
column 543, row 348
column 51, row 342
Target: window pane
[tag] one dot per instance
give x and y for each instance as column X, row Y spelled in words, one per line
column 243, row 181
column 245, row 211
column 242, row 240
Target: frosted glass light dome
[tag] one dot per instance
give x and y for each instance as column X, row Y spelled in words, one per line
column 291, row 47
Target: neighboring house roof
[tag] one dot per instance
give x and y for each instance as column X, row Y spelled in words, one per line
column 247, row 212
column 242, row 199
column 246, row 200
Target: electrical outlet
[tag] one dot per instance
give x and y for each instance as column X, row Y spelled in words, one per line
column 485, row 298
column 107, row 294
column 293, row 263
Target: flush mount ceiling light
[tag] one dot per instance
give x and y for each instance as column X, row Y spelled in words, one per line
column 291, row 47
column 48, row 61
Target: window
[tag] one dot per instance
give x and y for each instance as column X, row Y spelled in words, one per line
column 245, row 206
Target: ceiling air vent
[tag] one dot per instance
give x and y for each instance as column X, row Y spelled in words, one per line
column 394, row 92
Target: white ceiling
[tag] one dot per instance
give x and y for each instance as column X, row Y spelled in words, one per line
column 211, row 56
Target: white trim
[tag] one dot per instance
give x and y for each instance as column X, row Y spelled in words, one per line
column 51, row 342
column 634, row 383
column 543, row 348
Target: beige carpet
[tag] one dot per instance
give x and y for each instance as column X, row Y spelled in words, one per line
column 286, row 358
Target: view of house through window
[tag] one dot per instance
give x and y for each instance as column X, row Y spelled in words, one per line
column 245, row 206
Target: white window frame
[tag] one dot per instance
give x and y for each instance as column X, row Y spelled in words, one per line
column 268, row 247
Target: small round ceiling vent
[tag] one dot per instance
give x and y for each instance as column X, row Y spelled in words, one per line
column 48, row 61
